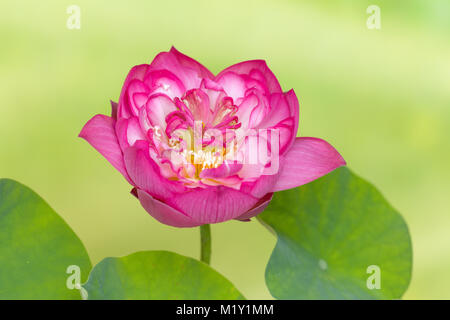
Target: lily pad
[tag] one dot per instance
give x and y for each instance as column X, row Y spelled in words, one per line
column 157, row 275
column 338, row 238
column 36, row 247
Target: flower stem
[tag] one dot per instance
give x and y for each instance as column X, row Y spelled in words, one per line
column 205, row 243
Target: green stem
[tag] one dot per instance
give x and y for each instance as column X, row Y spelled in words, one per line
column 205, row 243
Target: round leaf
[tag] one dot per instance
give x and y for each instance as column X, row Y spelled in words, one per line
column 338, row 238
column 36, row 247
column 157, row 275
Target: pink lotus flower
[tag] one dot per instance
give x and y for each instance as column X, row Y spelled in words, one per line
column 148, row 139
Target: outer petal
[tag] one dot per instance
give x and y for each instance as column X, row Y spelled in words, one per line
column 136, row 96
column 292, row 100
column 254, row 68
column 257, row 209
column 287, row 134
column 164, row 213
column 99, row 132
column 307, row 160
column 128, row 131
column 213, row 204
column 145, row 173
column 188, row 62
column 137, row 72
column 262, row 186
column 189, row 71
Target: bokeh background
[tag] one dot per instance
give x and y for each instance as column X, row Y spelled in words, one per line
column 382, row 97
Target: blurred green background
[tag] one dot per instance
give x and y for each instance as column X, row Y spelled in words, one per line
column 381, row 97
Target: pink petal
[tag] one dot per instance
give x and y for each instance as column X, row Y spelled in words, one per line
column 307, row 160
column 136, row 92
column 188, row 62
column 213, row 204
column 230, row 182
column 158, row 107
column 164, row 81
column 287, row 134
column 215, row 93
column 145, row 173
column 99, row 132
column 262, row 186
column 189, row 71
column 292, row 100
column 226, row 169
column 257, row 115
column 199, row 105
column 251, row 111
column 258, row 155
column 248, row 155
column 128, row 131
column 164, row 213
column 257, row 209
column 121, row 133
column 139, row 99
column 137, row 72
column 233, row 84
column 134, row 132
column 254, row 68
column 283, row 116
column 279, row 110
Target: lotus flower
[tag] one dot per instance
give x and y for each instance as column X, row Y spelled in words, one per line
column 182, row 137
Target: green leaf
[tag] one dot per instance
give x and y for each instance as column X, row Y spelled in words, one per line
column 330, row 232
column 36, row 247
column 157, row 275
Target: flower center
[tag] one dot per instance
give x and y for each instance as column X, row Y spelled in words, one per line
column 197, row 130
